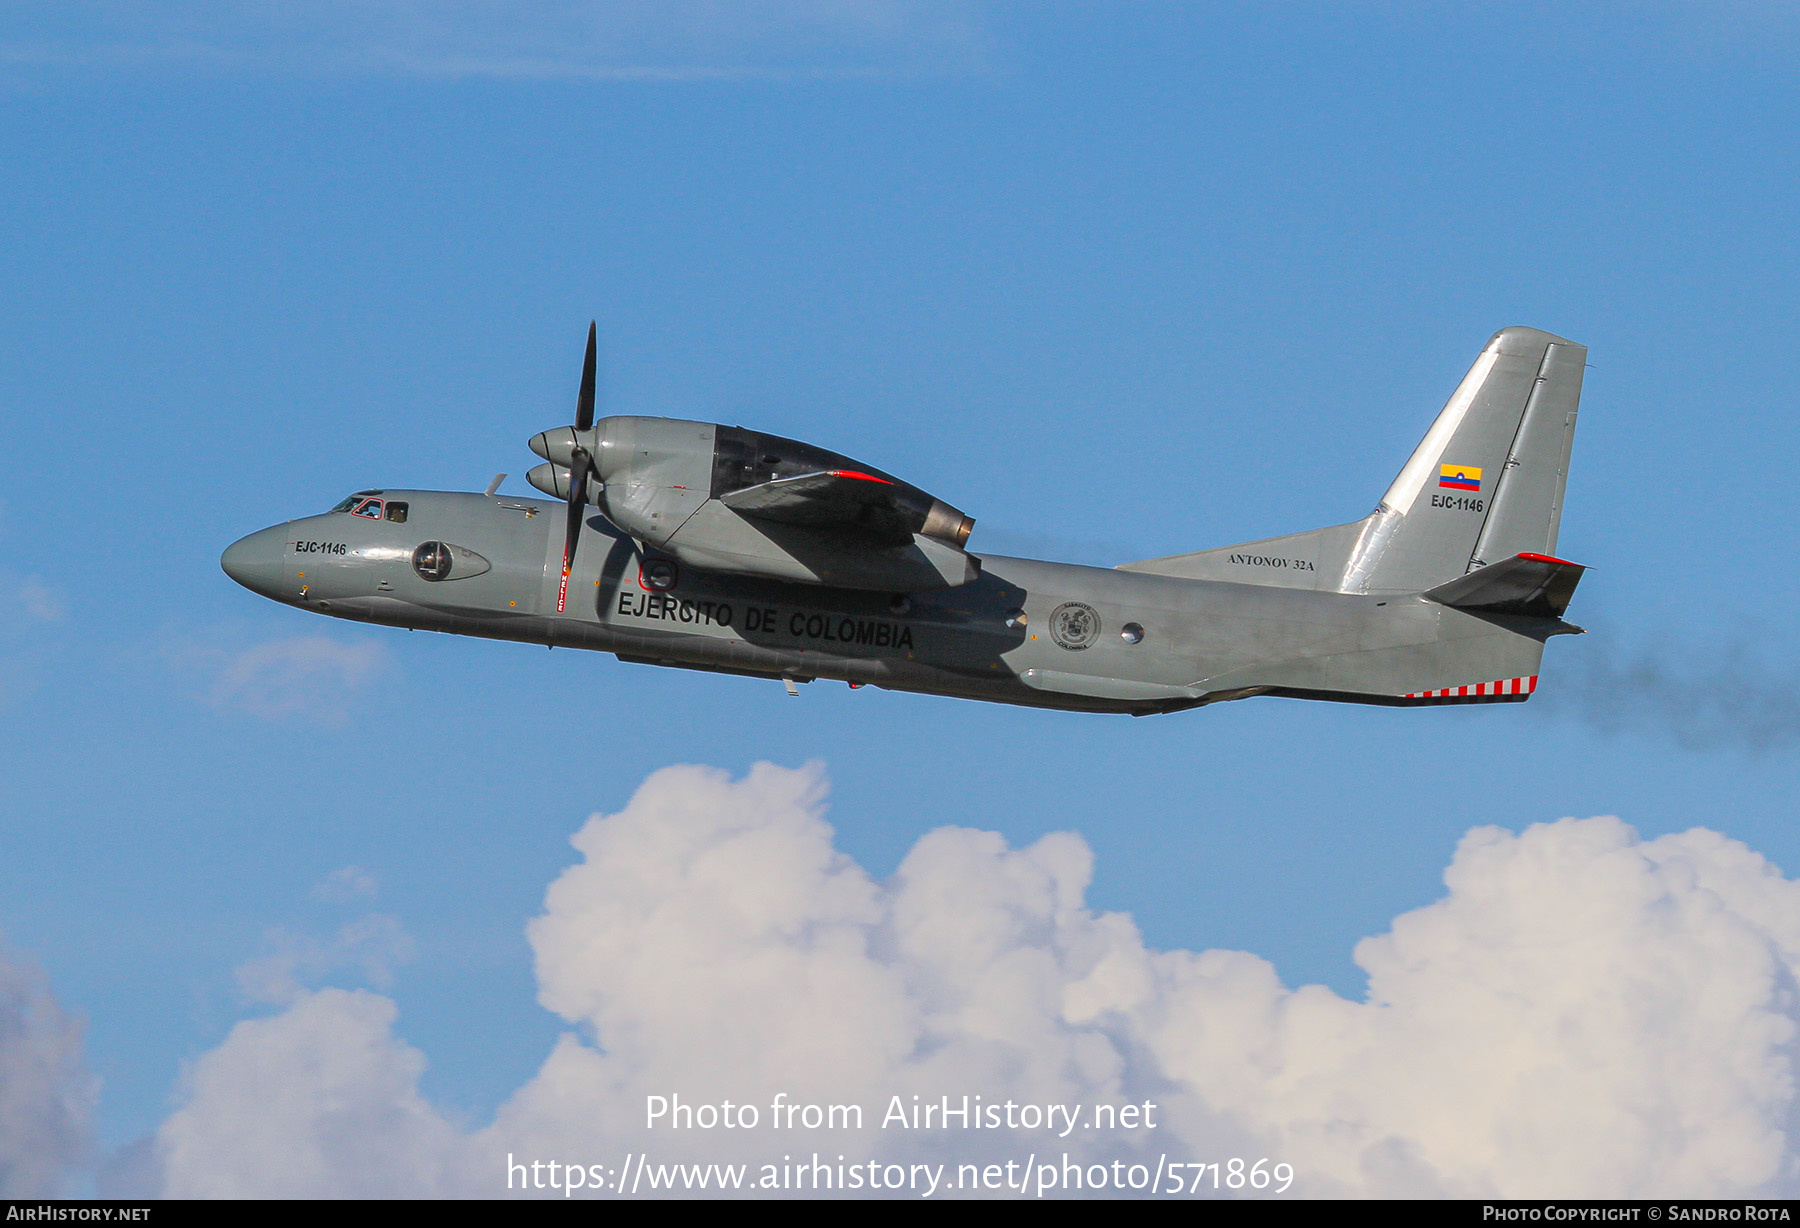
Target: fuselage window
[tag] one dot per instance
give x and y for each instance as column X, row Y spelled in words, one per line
column 396, row 512
column 369, row 509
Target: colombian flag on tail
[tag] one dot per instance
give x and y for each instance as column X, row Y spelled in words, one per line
column 1460, row 477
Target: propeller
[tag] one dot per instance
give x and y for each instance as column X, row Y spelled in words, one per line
column 581, row 462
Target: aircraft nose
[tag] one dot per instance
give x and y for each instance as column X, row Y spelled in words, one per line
column 256, row 561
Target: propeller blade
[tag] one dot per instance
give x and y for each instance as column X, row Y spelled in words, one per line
column 584, row 404
column 579, row 464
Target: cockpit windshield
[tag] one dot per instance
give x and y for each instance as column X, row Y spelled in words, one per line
column 357, row 501
column 370, row 506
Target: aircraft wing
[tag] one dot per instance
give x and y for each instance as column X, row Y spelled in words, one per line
column 826, row 499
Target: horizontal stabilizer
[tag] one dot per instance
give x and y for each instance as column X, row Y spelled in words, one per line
column 1528, row 585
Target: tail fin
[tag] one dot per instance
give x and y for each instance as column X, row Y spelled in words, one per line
column 1485, row 484
column 1487, row 481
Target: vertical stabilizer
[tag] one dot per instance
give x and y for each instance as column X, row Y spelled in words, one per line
column 1486, row 483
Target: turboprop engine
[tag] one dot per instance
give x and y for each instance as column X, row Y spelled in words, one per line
column 724, row 499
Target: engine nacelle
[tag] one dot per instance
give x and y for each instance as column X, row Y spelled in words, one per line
column 722, row 498
column 717, row 539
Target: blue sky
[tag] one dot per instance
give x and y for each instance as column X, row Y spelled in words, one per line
column 1117, row 280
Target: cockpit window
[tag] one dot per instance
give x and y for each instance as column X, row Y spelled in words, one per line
column 350, row 501
column 369, row 509
column 396, row 512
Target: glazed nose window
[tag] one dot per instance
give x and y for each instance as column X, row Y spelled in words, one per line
column 432, row 561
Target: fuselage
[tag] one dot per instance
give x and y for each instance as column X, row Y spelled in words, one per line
column 1024, row 631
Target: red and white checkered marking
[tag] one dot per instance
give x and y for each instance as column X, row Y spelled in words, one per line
column 1478, row 690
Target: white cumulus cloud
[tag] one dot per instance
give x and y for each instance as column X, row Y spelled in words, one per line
column 321, row 1100
column 46, row 1093
column 1584, row 1013
column 372, row 946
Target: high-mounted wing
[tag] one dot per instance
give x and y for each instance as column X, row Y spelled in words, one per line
column 797, row 511
column 829, row 498
column 784, row 481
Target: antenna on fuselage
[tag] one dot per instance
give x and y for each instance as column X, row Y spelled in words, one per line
column 494, row 485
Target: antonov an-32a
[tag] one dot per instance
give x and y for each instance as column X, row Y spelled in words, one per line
column 717, row 548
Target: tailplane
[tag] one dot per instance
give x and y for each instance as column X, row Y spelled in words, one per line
column 1524, row 586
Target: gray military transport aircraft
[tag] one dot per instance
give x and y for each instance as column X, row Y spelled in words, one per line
column 718, row 548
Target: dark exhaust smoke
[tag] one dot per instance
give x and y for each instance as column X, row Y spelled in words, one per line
column 1730, row 698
